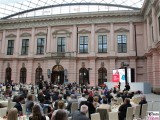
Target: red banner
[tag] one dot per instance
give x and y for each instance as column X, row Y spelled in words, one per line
column 115, row 78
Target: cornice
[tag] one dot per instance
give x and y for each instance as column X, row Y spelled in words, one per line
column 102, row 30
column 121, row 30
column 73, row 19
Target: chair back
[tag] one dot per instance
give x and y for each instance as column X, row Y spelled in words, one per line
column 74, row 107
column 95, row 116
column 103, row 113
column 24, row 108
column 129, row 114
column 3, row 112
column 113, row 115
column 144, row 110
column 137, row 111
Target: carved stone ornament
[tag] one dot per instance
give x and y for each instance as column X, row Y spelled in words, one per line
column 23, row 64
column 83, row 64
column 11, row 36
column 61, row 32
column 83, row 31
column 25, row 35
column 102, row 64
column 122, row 30
column 57, row 61
column 102, row 30
column 41, row 34
column 39, row 65
column 8, row 64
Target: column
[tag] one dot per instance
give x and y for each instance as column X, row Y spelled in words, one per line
column 131, row 37
column 1, row 71
column 132, row 64
column 30, row 78
column 92, row 45
column 148, row 33
column 154, row 23
column 149, row 69
column 17, row 44
column 75, row 39
column 92, row 72
column 3, row 42
column 48, row 39
column 155, row 68
column 111, row 67
column 145, row 36
column 15, row 72
column 112, row 43
column 53, row 43
column 31, row 43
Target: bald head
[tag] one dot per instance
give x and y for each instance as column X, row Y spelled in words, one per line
column 84, row 109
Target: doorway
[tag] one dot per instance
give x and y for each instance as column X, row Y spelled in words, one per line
column 57, row 76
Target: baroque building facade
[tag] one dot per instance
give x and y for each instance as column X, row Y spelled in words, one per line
column 82, row 47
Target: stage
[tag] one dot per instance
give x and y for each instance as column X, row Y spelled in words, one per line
column 135, row 86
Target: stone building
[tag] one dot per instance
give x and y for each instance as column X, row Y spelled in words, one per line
column 82, row 46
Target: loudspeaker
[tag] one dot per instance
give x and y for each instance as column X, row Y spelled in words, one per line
column 132, row 75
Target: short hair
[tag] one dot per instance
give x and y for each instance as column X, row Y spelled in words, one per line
column 83, row 95
column 30, row 97
column 60, row 104
column 95, row 99
column 60, row 115
column 73, row 96
column 127, row 100
column 84, row 109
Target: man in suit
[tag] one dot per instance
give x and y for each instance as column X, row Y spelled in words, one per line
column 70, row 101
column 143, row 101
column 81, row 115
column 123, row 109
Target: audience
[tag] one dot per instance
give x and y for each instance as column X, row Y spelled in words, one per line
column 18, row 105
column 60, row 115
column 29, row 103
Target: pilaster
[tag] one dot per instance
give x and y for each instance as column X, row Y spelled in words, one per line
column 15, row 72
column 48, row 39
column 92, row 73
column 31, row 43
column 92, row 43
column 148, row 33
column 3, row 42
column 30, row 78
column 112, row 41
column 17, row 44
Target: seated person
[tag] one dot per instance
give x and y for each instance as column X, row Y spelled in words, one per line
column 29, row 103
column 123, row 109
column 80, row 115
column 143, row 101
column 18, row 105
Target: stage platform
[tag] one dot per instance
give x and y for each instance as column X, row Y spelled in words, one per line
column 135, row 86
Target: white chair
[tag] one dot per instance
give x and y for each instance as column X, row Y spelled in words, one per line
column 137, row 111
column 3, row 112
column 129, row 114
column 144, row 110
column 69, row 118
column 95, row 116
column 113, row 115
column 74, row 107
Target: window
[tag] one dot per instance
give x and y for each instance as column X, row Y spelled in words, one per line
column 10, row 47
column 40, row 46
column 122, row 43
column 25, row 44
column 102, row 43
column 61, row 44
column 83, row 44
column 23, row 74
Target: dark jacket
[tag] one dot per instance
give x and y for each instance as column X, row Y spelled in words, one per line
column 42, row 118
column 141, row 103
column 79, row 116
column 123, row 111
column 18, row 106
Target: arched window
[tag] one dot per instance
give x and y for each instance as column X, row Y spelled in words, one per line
column 102, row 75
column 8, row 74
column 83, row 76
column 23, row 75
column 38, row 75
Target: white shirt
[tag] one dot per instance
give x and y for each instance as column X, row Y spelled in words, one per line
column 80, row 100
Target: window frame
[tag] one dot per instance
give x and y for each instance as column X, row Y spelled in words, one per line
column 61, row 45
column 41, row 46
column 25, row 47
column 122, row 44
column 83, row 44
column 103, row 43
column 10, row 49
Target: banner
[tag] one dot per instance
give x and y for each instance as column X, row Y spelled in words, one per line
column 118, row 75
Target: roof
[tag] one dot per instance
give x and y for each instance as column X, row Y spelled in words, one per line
column 33, row 8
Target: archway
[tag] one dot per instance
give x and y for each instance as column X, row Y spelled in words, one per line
column 23, row 75
column 57, row 76
column 102, row 75
column 38, row 75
